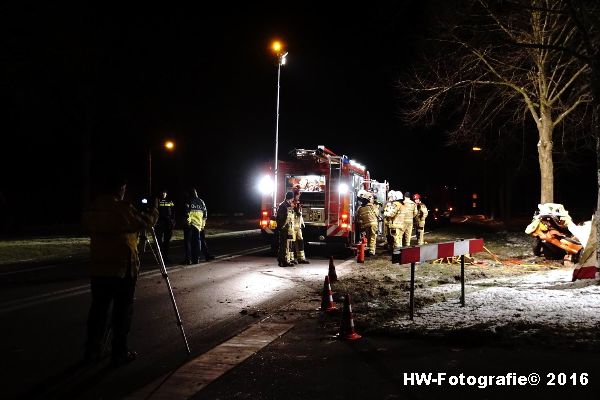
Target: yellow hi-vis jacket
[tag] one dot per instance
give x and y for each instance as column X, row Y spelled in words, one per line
column 366, row 215
column 410, row 211
column 395, row 214
column 196, row 219
column 113, row 226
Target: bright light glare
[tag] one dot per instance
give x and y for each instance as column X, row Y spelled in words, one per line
column 169, row 145
column 265, row 185
column 475, row 148
column 357, row 164
column 276, row 46
column 343, row 188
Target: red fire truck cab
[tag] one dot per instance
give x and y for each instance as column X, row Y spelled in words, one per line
column 328, row 185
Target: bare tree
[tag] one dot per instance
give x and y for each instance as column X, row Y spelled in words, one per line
column 505, row 63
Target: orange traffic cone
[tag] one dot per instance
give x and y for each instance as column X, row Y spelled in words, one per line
column 332, row 275
column 327, row 303
column 347, row 326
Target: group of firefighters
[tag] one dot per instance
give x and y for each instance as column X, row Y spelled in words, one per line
column 401, row 213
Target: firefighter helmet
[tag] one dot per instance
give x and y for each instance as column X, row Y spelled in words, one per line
column 399, row 195
column 416, row 196
column 363, row 194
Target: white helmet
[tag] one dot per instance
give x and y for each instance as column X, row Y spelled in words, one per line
column 399, row 195
column 391, row 195
column 363, row 194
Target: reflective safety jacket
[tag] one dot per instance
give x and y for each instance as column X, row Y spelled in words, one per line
column 298, row 219
column 422, row 213
column 285, row 218
column 196, row 213
column 166, row 213
column 395, row 214
column 366, row 215
column 113, row 226
column 410, row 211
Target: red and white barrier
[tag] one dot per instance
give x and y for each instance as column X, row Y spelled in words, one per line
column 414, row 254
column 428, row 252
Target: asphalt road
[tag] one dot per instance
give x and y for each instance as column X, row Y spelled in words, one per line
column 43, row 311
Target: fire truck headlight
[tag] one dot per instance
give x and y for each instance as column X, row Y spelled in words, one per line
column 265, row 185
column 343, row 188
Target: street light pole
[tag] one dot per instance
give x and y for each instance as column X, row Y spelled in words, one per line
column 170, row 146
column 149, row 172
column 277, row 47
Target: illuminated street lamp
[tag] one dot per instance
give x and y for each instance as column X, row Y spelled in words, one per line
column 277, row 47
column 169, row 145
column 483, row 195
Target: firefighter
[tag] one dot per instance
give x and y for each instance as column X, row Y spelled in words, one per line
column 285, row 228
column 410, row 212
column 386, row 228
column 420, row 218
column 164, row 225
column 395, row 214
column 298, row 240
column 366, row 216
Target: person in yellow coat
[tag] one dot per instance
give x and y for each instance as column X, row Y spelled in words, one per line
column 366, row 217
column 410, row 212
column 394, row 213
column 297, row 250
column 422, row 213
column 113, row 225
column 285, row 230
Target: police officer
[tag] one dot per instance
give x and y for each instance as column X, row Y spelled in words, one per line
column 298, row 240
column 203, row 245
column 409, row 216
column 194, row 213
column 395, row 213
column 285, row 229
column 420, row 218
column 366, row 216
column 166, row 222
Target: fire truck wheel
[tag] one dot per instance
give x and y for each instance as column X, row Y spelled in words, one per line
column 536, row 245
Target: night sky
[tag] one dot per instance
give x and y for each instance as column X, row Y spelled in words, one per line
column 128, row 78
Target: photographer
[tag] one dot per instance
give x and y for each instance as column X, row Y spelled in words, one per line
column 113, row 225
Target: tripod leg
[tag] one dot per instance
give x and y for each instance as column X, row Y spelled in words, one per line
column 163, row 269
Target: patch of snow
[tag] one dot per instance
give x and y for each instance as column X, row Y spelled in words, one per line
column 546, row 298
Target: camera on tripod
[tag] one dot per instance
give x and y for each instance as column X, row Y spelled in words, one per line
column 144, row 205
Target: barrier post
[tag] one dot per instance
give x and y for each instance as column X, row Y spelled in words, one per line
column 462, row 280
column 411, row 306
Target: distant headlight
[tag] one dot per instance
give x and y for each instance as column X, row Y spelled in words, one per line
column 265, row 185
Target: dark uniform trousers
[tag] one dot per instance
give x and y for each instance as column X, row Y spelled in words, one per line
column 120, row 292
column 164, row 233
column 191, row 238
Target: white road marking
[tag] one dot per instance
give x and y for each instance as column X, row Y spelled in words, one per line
column 193, row 376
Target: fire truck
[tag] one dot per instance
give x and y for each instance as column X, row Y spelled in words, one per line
column 329, row 184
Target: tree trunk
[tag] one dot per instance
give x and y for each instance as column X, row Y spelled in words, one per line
column 545, row 159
